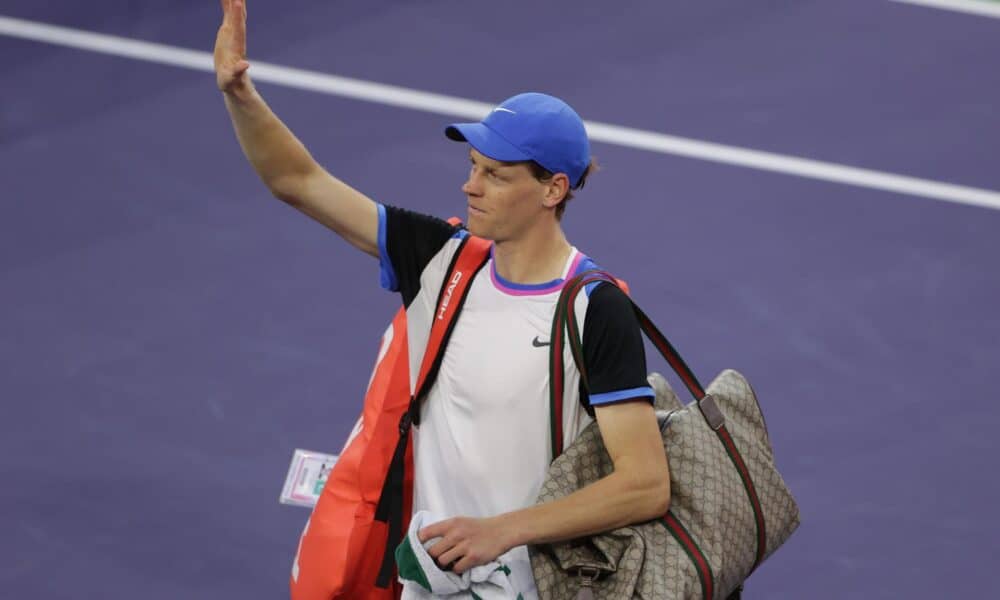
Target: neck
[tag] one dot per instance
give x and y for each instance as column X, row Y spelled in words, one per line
column 537, row 258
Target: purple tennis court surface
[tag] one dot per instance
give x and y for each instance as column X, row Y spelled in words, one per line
column 169, row 333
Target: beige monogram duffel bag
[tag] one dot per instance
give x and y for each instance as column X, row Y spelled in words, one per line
column 730, row 508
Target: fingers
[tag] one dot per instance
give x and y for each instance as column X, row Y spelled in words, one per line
column 463, row 565
column 445, row 551
column 239, row 10
column 459, row 559
column 459, row 544
column 454, row 557
column 447, row 554
column 240, row 26
column 447, row 561
column 234, row 13
column 231, row 41
column 439, row 548
column 234, row 8
column 432, row 531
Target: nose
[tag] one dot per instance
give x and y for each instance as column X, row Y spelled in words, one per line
column 472, row 185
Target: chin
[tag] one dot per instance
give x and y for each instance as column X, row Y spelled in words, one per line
column 475, row 227
column 479, row 232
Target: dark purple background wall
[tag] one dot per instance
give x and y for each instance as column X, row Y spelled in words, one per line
column 169, row 333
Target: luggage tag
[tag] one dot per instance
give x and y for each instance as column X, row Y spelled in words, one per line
column 306, row 477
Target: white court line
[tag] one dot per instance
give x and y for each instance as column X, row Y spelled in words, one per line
column 985, row 8
column 470, row 109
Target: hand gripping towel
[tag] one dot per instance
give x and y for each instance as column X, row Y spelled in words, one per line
column 422, row 579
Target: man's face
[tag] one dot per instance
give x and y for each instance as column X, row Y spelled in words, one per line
column 504, row 199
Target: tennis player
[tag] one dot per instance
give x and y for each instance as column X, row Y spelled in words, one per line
column 481, row 449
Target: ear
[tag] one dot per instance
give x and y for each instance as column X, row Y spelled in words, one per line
column 555, row 190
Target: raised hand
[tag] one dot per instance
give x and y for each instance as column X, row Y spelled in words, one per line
column 231, row 47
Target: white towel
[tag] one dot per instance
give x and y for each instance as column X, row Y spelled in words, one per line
column 422, row 579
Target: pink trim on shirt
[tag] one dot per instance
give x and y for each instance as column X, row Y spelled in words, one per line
column 534, row 289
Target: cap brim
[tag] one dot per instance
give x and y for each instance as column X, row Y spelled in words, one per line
column 486, row 141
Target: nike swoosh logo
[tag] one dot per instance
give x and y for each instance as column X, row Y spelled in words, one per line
column 537, row 343
column 502, row 109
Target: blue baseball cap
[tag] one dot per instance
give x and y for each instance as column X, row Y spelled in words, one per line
column 531, row 126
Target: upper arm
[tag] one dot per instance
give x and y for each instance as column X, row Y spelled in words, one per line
column 632, row 437
column 619, row 394
column 333, row 203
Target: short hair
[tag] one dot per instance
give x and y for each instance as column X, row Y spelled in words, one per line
column 544, row 175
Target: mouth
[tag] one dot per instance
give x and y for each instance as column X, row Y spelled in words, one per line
column 476, row 211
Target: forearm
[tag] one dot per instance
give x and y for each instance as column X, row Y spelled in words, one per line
column 615, row 501
column 279, row 158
